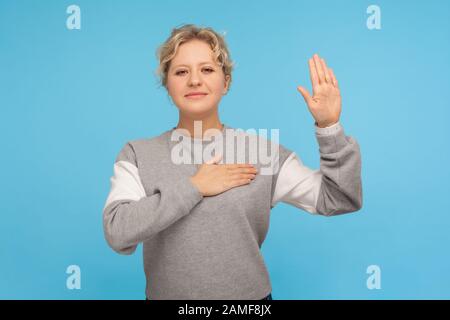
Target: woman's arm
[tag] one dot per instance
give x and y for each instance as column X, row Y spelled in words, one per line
column 130, row 217
column 335, row 188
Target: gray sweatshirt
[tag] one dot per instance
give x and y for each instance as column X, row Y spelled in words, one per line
column 197, row 247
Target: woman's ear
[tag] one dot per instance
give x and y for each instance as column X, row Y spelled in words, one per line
column 227, row 83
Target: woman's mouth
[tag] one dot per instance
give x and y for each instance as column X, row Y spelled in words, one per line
column 196, row 96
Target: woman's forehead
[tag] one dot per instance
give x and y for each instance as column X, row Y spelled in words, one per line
column 193, row 53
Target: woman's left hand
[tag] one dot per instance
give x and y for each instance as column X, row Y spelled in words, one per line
column 325, row 104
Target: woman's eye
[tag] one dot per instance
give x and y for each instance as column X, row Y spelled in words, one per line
column 181, row 72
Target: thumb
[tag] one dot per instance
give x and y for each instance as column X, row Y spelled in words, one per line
column 214, row 160
column 305, row 94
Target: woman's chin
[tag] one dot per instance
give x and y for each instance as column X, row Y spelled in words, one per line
column 197, row 110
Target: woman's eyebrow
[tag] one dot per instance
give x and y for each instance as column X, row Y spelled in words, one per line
column 201, row 63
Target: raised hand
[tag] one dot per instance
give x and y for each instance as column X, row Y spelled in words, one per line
column 325, row 104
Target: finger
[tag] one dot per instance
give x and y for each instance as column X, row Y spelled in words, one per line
column 313, row 73
column 237, row 183
column 333, row 78
column 240, row 176
column 243, row 170
column 238, row 165
column 325, row 71
column 305, row 94
column 319, row 69
column 214, row 160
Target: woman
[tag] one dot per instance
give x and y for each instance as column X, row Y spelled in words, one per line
column 202, row 223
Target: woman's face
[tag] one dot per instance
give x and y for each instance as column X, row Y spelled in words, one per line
column 193, row 70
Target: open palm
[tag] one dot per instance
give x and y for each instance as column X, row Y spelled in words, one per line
column 325, row 104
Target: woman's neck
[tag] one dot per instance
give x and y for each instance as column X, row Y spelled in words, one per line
column 198, row 126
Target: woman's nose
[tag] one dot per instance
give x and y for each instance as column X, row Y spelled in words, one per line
column 194, row 80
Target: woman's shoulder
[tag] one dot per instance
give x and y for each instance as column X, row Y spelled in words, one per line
column 131, row 148
column 150, row 141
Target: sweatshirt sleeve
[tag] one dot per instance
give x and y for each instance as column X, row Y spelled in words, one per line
column 335, row 188
column 130, row 216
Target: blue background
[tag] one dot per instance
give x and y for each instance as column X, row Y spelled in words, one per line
column 70, row 99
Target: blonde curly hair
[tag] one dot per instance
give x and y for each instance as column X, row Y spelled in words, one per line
column 167, row 51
